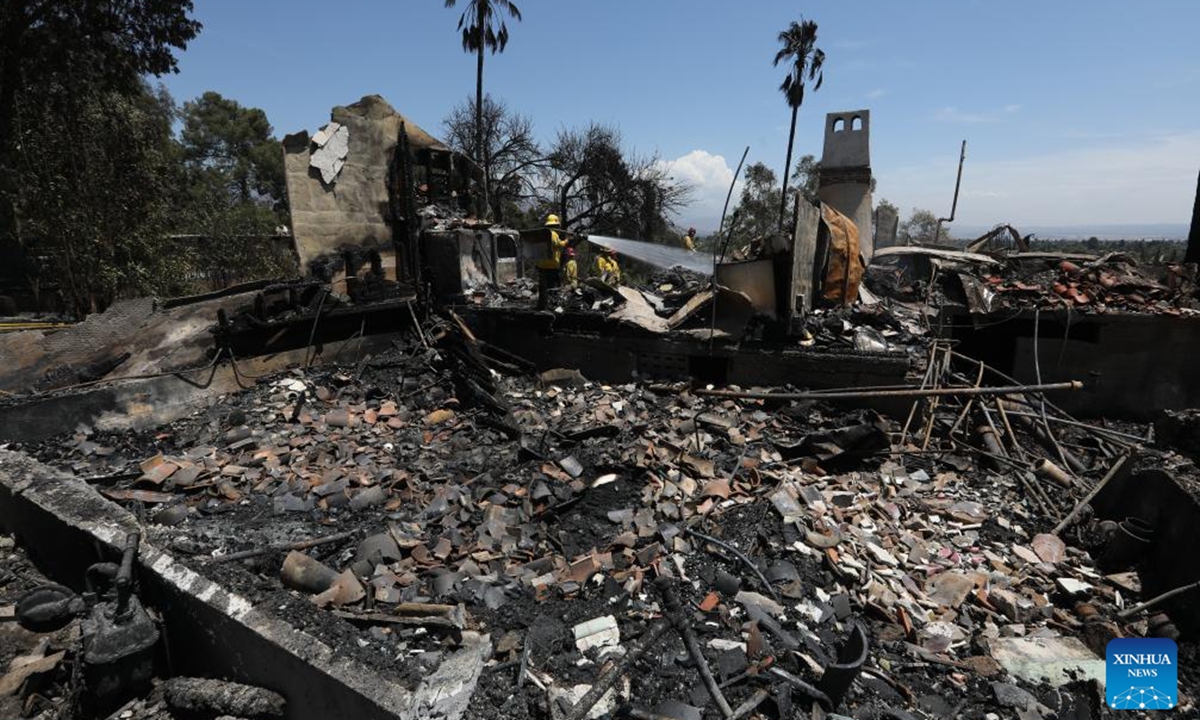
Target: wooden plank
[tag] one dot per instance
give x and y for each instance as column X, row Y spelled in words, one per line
column 804, row 253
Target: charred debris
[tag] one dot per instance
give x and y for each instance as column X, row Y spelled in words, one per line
column 397, row 489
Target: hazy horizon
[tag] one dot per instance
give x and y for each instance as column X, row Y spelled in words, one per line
column 1106, row 232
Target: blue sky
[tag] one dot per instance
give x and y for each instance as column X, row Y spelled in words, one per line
column 1074, row 112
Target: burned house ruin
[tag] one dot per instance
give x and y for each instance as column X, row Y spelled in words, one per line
column 830, row 477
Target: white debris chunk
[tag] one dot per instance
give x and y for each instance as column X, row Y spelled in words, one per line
column 597, row 632
column 333, row 144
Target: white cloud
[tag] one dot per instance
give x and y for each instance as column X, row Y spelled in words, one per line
column 1152, row 180
column 876, row 93
column 953, row 114
column 709, row 175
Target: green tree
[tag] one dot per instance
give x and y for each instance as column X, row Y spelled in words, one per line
column 805, row 60
column 86, row 47
column 229, row 240
column 885, row 204
column 806, row 179
column 234, row 194
column 98, row 167
column 231, row 146
column 755, row 214
column 483, row 27
column 920, row 228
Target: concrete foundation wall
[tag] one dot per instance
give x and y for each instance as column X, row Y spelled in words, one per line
column 67, row 525
column 595, row 350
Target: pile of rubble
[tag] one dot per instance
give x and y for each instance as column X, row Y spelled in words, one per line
column 1025, row 281
column 655, row 550
column 1111, row 283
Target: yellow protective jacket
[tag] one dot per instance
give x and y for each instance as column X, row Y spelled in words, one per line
column 608, row 269
column 553, row 260
column 571, row 270
column 689, row 242
column 601, row 265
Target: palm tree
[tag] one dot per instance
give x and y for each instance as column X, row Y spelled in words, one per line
column 482, row 26
column 800, row 50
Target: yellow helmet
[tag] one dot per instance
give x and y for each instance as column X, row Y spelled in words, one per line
column 552, row 220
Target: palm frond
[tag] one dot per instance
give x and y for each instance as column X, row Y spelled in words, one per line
column 509, row 7
column 479, row 26
column 798, row 48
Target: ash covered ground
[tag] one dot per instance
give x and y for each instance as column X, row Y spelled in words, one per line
column 525, row 507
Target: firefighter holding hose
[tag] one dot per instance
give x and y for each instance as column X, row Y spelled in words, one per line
column 549, row 267
column 689, row 240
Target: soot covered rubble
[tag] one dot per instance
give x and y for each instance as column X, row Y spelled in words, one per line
column 810, row 560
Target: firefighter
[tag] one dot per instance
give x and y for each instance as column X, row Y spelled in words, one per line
column 571, row 268
column 607, row 267
column 601, row 264
column 549, row 267
column 614, row 270
column 689, row 240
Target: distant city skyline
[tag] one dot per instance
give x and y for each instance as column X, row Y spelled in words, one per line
column 1074, row 114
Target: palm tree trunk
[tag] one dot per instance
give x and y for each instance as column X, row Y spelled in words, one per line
column 787, row 167
column 480, row 152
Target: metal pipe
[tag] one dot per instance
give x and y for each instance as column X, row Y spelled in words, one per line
column 957, row 183
column 808, row 689
column 739, row 555
column 280, row 547
column 1157, row 599
column 910, row 392
column 124, row 579
column 1114, row 434
column 1046, row 468
column 712, row 331
column 1112, row 472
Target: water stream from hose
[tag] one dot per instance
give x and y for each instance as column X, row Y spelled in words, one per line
column 656, row 254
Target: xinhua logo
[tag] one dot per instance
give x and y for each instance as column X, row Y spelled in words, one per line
column 1142, row 674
